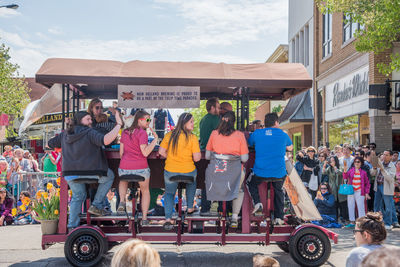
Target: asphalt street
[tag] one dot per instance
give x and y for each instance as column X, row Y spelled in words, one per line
column 20, row 247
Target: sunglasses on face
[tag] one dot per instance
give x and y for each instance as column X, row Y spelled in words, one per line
column 147, row 120
column 357, row 161
column 98, row 107
column 357, row 231
column 324, row 188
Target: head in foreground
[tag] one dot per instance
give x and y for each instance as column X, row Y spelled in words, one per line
column 135, row 253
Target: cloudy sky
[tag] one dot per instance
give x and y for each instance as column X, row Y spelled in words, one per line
column 231, row 31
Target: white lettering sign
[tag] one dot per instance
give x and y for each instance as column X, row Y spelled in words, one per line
column 136, row 96
column 347, row 96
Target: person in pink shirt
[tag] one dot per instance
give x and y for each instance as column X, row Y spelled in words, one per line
column 134, row 149
column 357, row 177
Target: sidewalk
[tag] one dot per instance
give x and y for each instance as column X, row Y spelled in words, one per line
column 21, row 246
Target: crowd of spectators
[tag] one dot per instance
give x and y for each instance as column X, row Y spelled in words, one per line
column 375, row 179
column 21, row 177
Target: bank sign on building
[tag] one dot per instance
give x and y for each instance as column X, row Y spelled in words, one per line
column 347, row 96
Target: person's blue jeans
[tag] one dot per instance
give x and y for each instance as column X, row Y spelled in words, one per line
column 170, row 190
column 381, row 199
column 79, row 195
column 394, row 213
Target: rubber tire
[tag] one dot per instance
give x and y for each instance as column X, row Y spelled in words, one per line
column 92, row 236
column 321, row 241
column 284, row 246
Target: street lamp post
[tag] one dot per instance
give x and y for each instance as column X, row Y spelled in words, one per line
column 12, row 6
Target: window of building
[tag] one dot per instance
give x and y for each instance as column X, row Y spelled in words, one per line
column 297, row 49
column 300, row 47
column 349, row 28
column 327, row 35
column 293, row 56
column 306, row 45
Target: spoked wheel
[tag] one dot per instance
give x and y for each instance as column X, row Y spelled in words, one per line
column 310, row 247
column 85, row 247
column 284, row 246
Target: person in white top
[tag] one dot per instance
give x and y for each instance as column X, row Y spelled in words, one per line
column 347, row 159
column 369, row 234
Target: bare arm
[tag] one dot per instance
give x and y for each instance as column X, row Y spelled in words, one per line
column 121, row 150
column 163, row 152
column 110, row 137
column 197, row 156
column 289, row 148
column 148, row 148
column 52, row 159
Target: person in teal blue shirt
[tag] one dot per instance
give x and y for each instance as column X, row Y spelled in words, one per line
column 271, row 144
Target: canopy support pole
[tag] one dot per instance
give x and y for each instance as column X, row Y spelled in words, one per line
column 63, row 107
column 245, row 108
column 68, row 100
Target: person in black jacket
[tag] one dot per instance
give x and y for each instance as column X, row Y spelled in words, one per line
column 311, row 169
column 325, row 201
column 83, row 157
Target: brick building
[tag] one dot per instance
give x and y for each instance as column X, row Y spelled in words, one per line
column 342, row 80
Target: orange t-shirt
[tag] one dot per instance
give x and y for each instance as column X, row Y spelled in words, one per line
column 235, row 144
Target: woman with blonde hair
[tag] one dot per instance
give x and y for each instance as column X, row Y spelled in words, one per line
column 135, row 253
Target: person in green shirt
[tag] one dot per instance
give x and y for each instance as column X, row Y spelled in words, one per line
column 49, row 162
column 4, row 173
column 208, row 124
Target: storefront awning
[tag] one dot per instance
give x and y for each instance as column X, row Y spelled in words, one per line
column 298, row 110
column 100, row 78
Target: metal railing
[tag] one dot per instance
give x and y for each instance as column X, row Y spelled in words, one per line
column 31, row 182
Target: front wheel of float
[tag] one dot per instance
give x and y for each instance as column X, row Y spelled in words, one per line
column 85, row 247
column 310, row 247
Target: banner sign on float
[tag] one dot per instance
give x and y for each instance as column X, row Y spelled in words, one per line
column 145, row 96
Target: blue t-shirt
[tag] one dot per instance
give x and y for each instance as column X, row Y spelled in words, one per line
column 270, row 145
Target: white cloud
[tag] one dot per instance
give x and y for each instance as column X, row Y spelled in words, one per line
column 14, row 39
column 208, row 24
column 55, row 31
column 8, row 12
column 228, row 21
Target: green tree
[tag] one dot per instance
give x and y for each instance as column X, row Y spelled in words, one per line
column 13, row 89
column 201, row 111
column 381, row 26
column 277, row 109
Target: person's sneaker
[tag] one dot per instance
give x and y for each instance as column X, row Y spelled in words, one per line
column 257, row 208
column 388, row 227
column 234, row 223
column 96, row 211
column 396, row 225
column 145, row 222
column 350, row 225
column 121, row 208
column 107, row 212
column 279, row 221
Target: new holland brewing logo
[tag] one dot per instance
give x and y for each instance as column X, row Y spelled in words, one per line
column 356, row 87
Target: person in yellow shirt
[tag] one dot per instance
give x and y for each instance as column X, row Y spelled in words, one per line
column 181, row 149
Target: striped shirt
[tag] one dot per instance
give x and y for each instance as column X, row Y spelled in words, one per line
column 357, row 180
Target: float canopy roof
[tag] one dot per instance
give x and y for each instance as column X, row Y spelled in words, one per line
column 100, row 78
